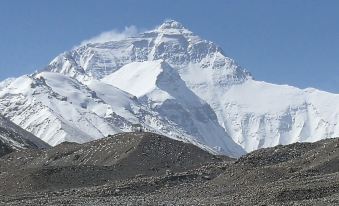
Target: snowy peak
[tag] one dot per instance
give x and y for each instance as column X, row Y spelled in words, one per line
column 141, row 78
column 156, row 80
column 171, row 42
column 159, row 87
column 171, row 26
column 66, row 64
column 173, row 82
column 137, row 78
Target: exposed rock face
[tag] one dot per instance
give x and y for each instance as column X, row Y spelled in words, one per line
column 4, row 149
column 14, row 138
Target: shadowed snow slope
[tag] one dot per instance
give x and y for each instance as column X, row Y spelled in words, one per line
column 13, row 138
column 159, row 86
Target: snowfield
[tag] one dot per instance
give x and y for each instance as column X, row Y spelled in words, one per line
column 174, row 83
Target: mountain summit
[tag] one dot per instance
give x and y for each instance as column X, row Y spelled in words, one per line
column 172, row 82
column 170, row 42
column 171, row 24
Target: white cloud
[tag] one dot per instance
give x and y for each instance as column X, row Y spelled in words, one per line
column 113, row 35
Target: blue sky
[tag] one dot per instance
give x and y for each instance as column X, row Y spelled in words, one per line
column 293, row 42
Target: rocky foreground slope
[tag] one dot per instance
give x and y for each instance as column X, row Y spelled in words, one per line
column 122, row 156
column 149, row 169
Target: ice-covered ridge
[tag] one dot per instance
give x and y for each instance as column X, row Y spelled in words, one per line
column 137, row 78
column 170, row 42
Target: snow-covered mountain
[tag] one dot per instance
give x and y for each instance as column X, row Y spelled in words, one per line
column 158, row 86
column 173, row 82
column 13, row 137
column 54, row 107
column 58, row 108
